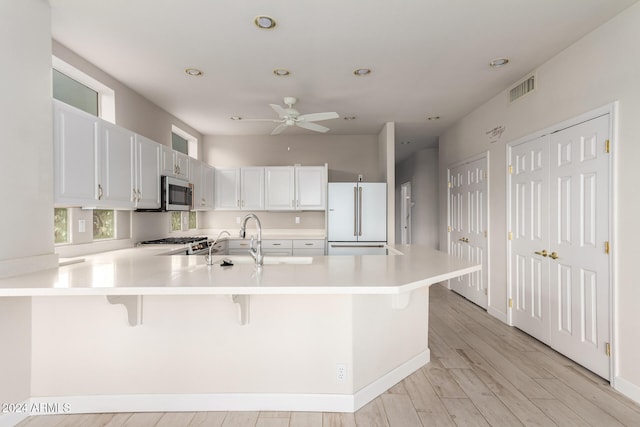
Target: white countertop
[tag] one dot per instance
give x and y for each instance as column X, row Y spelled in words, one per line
column 146, row 271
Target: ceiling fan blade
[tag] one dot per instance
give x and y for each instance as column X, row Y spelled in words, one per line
column 316, row 117
column 312, row 126
column 278, row 130
column 282, row 113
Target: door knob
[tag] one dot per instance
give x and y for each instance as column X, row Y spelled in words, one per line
column 554, row 255
column 543, row 253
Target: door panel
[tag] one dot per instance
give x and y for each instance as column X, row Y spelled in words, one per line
column 372, row 216
column 342, row 212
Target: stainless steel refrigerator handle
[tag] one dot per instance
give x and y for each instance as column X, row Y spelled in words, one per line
column 360, row 212
column 356, row 246
column 355, row 211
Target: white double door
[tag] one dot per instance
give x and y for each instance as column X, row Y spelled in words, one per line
column 558, row 261
column 468, row 227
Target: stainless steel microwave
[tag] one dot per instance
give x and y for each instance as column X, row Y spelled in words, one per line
column 175, row 195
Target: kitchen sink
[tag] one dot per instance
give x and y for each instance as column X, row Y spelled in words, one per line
column 271, row 260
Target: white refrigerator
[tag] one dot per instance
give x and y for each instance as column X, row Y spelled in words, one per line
column 357, row 218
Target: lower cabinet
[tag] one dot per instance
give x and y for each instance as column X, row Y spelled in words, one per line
column 280, row 247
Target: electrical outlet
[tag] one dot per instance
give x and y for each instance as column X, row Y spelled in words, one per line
column 237, row 220
column 341, row 373
column 297, row 220
column 82, row 226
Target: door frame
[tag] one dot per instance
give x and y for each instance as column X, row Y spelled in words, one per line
column 405, row 213
column 612, row 110
column 482, row 155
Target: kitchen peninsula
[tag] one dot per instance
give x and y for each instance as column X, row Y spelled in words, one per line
column 136, row 330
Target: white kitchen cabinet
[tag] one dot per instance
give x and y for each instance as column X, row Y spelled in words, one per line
column 311, row 188
column 279, row 188
column 252, row 189
column 227, row 189
column 75, row 144
column 174, row 163
column 116, row 167
column 147, row 176
column 296, row 188
column 202, row 178
column 308, row 247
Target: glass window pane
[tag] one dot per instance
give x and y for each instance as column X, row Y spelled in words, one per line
column 176, row 221
column 61, row 225
column 179, row 143
column 192, row 220
column 74, row 93
column 103, row 224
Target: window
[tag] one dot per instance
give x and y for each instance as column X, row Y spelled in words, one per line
column 104, row 225
column 184, row 142
column 74, row 93
column 179, row 143
column 192, row 220
column 176, row 221
column 60, row 225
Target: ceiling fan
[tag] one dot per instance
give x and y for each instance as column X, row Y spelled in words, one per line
column 292, row 117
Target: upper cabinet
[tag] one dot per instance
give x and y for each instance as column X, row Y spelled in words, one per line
column 75, row 137
column 147, row 187
column 252, row 188
column 202, row 178
column 116, row 167
column 239, row 188
column 174, row 163
column 296, row 188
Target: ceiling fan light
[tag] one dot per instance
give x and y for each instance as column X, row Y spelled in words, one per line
column 264, row 22
column 194, row 72
column 498, row 62
column 281, row 72
column 432, row 118
column 349, row 118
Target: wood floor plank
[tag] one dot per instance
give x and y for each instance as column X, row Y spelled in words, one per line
column 143, row 419
column 119, row 419
column 82, row 420
column 334, row 419
column 464, row 413
column 398, row 388
column 589, row 412
column 208, row 419
column 305, row 419
column 272, row 422
column 400, row 411
column 559, row 412
column 443, row 383
column 42, row 421
column 176, row 419
column 274, row 414
column 372, row 414
column 447, row 356
column 240, row 419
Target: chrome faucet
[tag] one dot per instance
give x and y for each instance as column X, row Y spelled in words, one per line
column 256, row 252
column 208, row 258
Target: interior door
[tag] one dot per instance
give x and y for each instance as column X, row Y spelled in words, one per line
column 530, row 237
column 579, row 229
column 405, row 213
column 468, row 221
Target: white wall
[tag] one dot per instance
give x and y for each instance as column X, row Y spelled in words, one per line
column 599, row 69
column 387, row 166
column 26, row 168
column 421, row 169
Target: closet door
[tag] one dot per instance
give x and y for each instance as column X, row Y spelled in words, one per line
column 579, row 230
column 458, row 218
column 529, row 269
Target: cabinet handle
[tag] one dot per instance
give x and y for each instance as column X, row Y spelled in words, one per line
column 277, row 244
column 138, row 195
column 100, row 193
column 308, row 244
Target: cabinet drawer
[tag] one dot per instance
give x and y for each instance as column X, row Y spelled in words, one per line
column 276, row 244
column 239, row 244
column 308, row 252
column 277, row 252
column 308, row 244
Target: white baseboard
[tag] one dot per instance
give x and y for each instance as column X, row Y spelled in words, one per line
column 497, row 314
column 627, row 388
column 227, row 401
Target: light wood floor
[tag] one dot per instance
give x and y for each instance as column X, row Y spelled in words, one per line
column 481, row 373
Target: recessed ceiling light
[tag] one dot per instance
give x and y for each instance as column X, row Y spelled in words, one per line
column 235, row 118
column 193, row 72
column 433, row 118
column 349, row 118
column 362, row 71
column 265, row 22
column 498, row 62
column 281, row 72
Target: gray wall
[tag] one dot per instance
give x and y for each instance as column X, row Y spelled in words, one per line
column 421, row 169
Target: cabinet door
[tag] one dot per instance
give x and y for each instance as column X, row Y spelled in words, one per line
column 147, row 173
column 311, row 188
column 252, row 188
column 116, row 166
column 208, row 173
column 167, row 161
column 227, row 189
column 280, row 188
column 75, row 136
column 195, row 178
column 181, row 162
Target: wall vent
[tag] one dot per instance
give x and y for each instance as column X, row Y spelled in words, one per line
column 521, row 89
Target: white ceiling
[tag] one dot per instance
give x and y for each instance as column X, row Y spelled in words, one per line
column 429, row 57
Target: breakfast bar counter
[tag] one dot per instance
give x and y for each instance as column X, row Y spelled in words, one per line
column 137, row 330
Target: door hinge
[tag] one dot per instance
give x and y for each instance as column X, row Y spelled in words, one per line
column 486, row 291
column 607, row 349
column 449, row 229
column 607, row 248
column 510, row 302
column 510, row 169
column 607, row 146
column 450, row 184
column 510, row 235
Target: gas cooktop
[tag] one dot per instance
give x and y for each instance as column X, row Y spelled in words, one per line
column 174, row 240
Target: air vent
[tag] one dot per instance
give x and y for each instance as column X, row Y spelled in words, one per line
column 523, row 88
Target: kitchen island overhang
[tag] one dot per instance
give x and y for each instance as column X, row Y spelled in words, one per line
column 329, row 335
